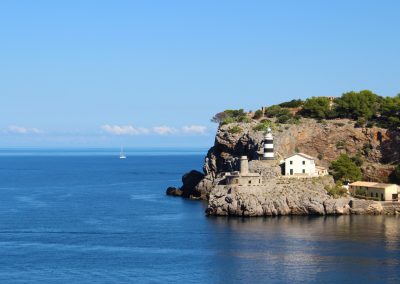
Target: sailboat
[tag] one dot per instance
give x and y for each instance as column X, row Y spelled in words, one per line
column 121, row 154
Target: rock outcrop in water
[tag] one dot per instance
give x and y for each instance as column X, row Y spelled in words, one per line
column 378, row 147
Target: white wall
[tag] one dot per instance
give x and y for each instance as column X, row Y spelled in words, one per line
column 297, row 165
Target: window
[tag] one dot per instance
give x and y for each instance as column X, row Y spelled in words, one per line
column 372, row 195
column 382, row 197
column 304, row 162
column 249, row 181
column 291, row 162
column 376, row 195
column 304, row 171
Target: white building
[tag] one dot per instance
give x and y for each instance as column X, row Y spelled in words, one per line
column 301, row 164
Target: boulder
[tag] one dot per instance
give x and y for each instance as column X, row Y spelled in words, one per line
column 173, row 191
column 361, row 206
column 190, row 180
column 338, row 206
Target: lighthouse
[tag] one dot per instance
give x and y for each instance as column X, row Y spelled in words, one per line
column 268, row 146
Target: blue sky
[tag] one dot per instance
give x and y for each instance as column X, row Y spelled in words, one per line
column 152, row 73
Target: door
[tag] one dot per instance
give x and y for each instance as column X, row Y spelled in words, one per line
column 291, row 172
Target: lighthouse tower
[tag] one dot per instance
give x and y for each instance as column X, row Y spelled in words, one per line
column 268, row 146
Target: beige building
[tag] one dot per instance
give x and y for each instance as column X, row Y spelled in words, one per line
column 381, row 191
column 243, row 177
column 321, row 171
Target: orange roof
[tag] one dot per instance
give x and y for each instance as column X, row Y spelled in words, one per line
column 321, row 168
column 371, row 184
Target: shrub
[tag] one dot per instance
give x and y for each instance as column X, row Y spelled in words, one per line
column 320, row 156
column 370, row 124
column 228, row 120
column 361, row 121
column 258, row 114
column 357, row 159
column 357, row 104
column 292, row 103
column 283, row 118
column 244, row 119
column 235, row 130
column 316, row 107
column 340, row 144
column 219, row 117
column 367, row 147
column 344, row 169
column 230, row 116
column 337, row 190
column 263, row 125
column 283, row 115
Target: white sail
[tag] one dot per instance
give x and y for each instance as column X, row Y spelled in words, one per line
column 121, row 154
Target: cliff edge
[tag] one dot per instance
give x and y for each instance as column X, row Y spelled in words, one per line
column 378, row 148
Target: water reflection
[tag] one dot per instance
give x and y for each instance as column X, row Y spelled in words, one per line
column 298, row 248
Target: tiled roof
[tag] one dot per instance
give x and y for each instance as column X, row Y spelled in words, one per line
column 371, row 184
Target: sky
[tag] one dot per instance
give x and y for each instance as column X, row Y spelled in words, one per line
column 83, row 73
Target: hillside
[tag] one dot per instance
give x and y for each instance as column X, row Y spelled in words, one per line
column 364, row 139
column 379, row 148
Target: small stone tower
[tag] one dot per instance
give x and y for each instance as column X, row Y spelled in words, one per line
column 268, row 146
column 244, row 165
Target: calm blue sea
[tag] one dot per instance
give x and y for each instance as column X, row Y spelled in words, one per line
column 85, row 216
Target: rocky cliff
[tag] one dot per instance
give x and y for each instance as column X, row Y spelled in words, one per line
column 378, row 148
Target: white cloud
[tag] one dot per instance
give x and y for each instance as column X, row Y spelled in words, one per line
column 124, row 130
column 23, row 130
column 195, row 129
column 164, row 130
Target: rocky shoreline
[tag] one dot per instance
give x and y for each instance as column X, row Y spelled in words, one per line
column 283, row 196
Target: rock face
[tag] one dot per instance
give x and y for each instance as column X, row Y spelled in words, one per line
column 189, row 189
column 279, row 196
column 290, row 197
column 378, row 147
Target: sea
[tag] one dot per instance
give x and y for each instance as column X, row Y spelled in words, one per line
column 86, row 216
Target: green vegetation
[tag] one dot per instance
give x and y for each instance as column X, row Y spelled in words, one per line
column 340, row 145
column 282, row 115
column 316, row 107
column 365, row 107
column 390, row 112
column 292, row 104
column 263, row 125
column 366, row 149
column 345, row 169
column 358, row 159
column 320, row 156
column 337, row 190
column 230, row 116
column 355, row 105
column 258, row 114
column 235, row 130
